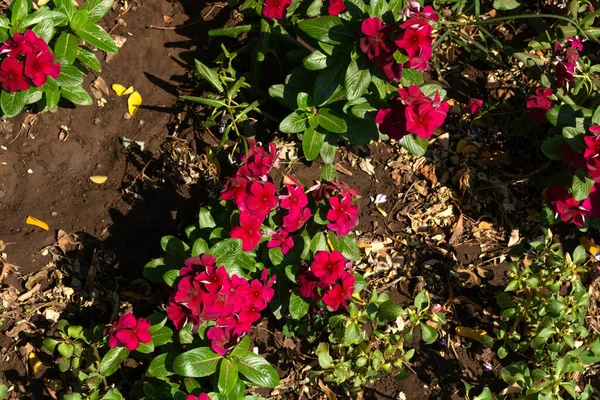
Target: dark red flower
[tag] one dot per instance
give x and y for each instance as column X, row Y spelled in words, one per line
column 375, row 44
column 328, row 267
column 569, row 209
column 275, row 8
column 308, row 284
column 129, row 331
column 11, row 75
column 564, row 74
column 262, row 198
column 539, row 103
column 249, row 231
column 336, row 7
column 592, row 146
column 571, row 158
column 194, row 265
column 474, row 106
column 39, row 66
column 282, row 240
column 17, row 46
column 296, row 218
column 235, row 189
column 392, row 70
column 392, row 121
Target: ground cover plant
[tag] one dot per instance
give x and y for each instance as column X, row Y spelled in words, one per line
column 347, row 199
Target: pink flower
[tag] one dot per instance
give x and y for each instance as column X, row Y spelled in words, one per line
column 220, row 339
column 214, row 280
column 281, row 239
column 413, row 9
column 336, row 7
column 296, row 218
column 177, row 314
column 262, row 198
column 575, row 43
column 129, row 331
column 343, row 215
column 328, row 267
column 474, row 106
column 249, row 231
column 201, row 396
column 275, row 8
column 194, row 265
column 593, row 146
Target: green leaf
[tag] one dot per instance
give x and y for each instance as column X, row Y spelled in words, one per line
column 575, row 138
column 4, row 22
column 174, row 247
column 145, row 348
column 205, row 219
column 316, row 61
column 65, row 350
column 258, row 370
column 112, row 360
column 581, row 185
column 555, row 307
column 67, row 7
column 52, row 98
column 579, row 255
column 298, row 306
column 563, row 115
column 97, row 9
column 69, row 76
column 352, row 334
column 161, row 336
column 89, row 59
column 346, row 245
column 505, row 5
column 210, row 75
column 328, row 149
column 325, row 359
column 98, row 37
column 414, row 144
column 551, row 148
column 358, row 78
column 227, row 251
column 234, row 31
column 328, row 29
column 228, row 376
column 33, row 95
column 421, row 300
column 389, row 310
column 55, row 16
column 12, row 103
column 276, row 255
column 331, row 122
column 66, row 47
column 596, row 115
column 205, row 101
column 328, row 83
column 318, row 243
column 18, row 11
column 294, row 123
column 200, row 247
column 328, row 173
column 161, row 366
column 312, row 140
column 44, row 30
column 196, row 363
column 77, row 95
column 241, row 348
column 428, row 333
column 80, row 19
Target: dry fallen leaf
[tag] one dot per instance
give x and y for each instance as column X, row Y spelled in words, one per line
column 99, row 88
column 514, row 238
column 98, row 179
column 475, row 334
column 469, row 149
column 36, row 222
column 133, row 102
column 461, row 145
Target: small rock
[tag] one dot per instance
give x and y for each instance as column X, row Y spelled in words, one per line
column 126, row 116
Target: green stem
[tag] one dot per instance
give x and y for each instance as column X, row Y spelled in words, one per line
column 520, row 16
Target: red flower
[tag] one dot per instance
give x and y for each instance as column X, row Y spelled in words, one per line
column 129, row 331
column 296, row 198
column 413, row 10
column 539, row 103
column 309, row 284
column 39, row 66
column 328, row 267
column 569, row 209
column 276, row 8
column 201, row 396
column 336, row 7
column 375, row 44
column 262, row 198
column 337, row 295
column 392, row 70
column 215, row 280
column 595, row 129
column 571, row 157
column 17, row 46
column 413, row 96
column 474, row 106
column 220, row 339
column 593, row 146
column 343, row 215
column 419, row 121
column 575, row 43
column 296, row 218
column 248, row 231
column 177, row 314
column 392, row 121
column 564, row 74
column 281, row 239
column 416, row 41
column 11, row 75
column 593, row 166
column 235, row 189
column 194, row 265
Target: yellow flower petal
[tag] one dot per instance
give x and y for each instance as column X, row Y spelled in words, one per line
column 133, row 102
column 99, row 179
column 34, row 362
column 127, row 91
column 36, row 222
column 475, row 334
column 590, row 246
column 118, row 89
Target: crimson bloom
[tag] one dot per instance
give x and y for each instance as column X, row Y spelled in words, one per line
column 539, row 103
column 336, row 7
column 39, row 67
column 328, row 267
column 276, row 8
column 308, row 284
column 572, row 158
column 220, row 339
column 235, row 189
column 474, row 106
column 413, row 9
column 417, row 37
column 262, row 198
column 296, row 198
column 593, row 146
column 11, row 75
column 296, row 218
column 375, row 44
column 338, row 294
column 282, row 240
column 201, row 396
column 249, row 231
column 569, row 209
column 392, row 121
column 129, row 331
column 343, row 215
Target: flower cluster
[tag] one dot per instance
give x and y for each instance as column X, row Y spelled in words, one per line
column 412, row 112
column 275, row 8
column 566, row 61
column 256, row 197
column 28, row 61
column 329, row 278
column 539, row 103
column 129, row 331
column 413, row 38
column 205, row 292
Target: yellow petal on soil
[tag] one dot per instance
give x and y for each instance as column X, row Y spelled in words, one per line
column 127, row 91
column 133, row 102
column 119, row 89
column 475, row 334
column 590, row 246
column 36, row 222
column 288, row 181
column 461, row 145
column 34, row 362
column 98, row 179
